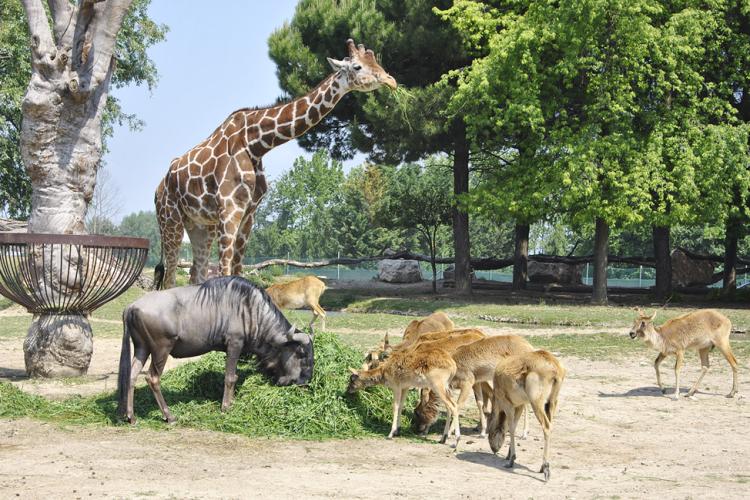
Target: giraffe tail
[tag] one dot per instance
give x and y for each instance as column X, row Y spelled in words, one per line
column 159, row 275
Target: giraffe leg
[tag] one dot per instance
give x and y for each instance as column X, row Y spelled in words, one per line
column 200, row 239
column 172, row 230
column 228, row 228
column 241, row 242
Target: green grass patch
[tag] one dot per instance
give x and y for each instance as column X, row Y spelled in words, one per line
column 193, row 392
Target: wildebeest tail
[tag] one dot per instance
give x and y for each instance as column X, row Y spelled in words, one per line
column 123, row 377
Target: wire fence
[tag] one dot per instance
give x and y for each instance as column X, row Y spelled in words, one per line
column 617, row 276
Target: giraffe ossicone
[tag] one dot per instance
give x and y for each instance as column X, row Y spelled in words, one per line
column 213, row 190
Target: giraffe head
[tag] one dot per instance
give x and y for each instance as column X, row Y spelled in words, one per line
column 361, row 69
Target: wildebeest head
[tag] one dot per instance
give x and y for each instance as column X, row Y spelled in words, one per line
column 643, row 324
column 295, row 360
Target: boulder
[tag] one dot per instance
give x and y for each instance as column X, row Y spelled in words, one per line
column 449, row 273
column 691, row 272
column 554, row 272
column 399, row 271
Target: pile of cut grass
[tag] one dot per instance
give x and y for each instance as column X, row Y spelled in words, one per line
column 194, row 390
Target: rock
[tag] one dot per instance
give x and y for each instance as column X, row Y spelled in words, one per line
column 691, row 272
column 449, row 273
column 554, row 272
column 144, row 282
column 399, row 271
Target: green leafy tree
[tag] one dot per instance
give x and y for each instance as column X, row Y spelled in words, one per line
column 143, row 225
column 418, row 49
column 299, row 209
column 419, row 199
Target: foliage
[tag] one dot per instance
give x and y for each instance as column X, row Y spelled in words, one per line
column 415, row 47
column 133, row 67
column 600, row 108
column 143, row 225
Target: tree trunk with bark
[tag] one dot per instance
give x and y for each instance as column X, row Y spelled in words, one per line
column 663, row 287
column 461, row 217
column 601, row 247
column 61, row 146
column 730, row 255
column 521, row 257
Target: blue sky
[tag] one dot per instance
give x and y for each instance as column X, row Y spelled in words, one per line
column 214, row 61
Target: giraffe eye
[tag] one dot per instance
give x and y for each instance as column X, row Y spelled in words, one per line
column 357, row 67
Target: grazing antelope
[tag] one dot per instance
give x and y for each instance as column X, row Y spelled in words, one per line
column 698, row 330
column 475, row 363
column 300, row 293
column 377, row 355
column 426, row 365
column 435, row 322
column 530, row 378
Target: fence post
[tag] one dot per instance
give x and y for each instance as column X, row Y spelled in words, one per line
column 586, row 281
column 640, row 276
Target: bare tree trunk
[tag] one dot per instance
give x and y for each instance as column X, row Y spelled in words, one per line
column 521, row 257
column 61, row 146
column 730, row 256
column 601, row 248
column 460, row 217
column 663, row 288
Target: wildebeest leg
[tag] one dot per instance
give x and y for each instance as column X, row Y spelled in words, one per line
column 704, row 368
column 230, row 376
column 154, row 381
column 657, row 362
column 139, row 359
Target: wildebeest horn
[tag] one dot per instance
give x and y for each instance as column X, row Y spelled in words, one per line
column 301, row 337
column 653, row 315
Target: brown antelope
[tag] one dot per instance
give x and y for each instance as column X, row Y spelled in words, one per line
column 435, row 322
column 426, row 365
column 530, row 378
column 300, row 293
column 475, row 363
column 377, row 355
column 698, row 330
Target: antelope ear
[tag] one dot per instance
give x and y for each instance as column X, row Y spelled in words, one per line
column 335, row 64
column 653, row 316
column 353, row 371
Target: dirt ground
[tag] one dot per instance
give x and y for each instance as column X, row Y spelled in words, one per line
column 615, row 436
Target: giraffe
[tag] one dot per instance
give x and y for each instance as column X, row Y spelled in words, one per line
column 213, row 190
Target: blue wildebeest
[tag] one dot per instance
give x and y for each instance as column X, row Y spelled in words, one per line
column 223, row 314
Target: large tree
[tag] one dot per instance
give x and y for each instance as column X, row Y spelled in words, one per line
column 74, row 52
column 419, row 50
column 134, row 67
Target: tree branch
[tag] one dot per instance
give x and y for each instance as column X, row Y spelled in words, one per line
column 99, row 21
column 42, row 45
column 63, row 13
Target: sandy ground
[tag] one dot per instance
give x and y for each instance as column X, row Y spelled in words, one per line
column 615, row 436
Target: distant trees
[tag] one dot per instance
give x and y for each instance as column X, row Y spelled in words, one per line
column 608, row 113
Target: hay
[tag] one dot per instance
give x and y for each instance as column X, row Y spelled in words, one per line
column 194, row 390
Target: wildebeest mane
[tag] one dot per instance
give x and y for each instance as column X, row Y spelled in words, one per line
column 245, row 299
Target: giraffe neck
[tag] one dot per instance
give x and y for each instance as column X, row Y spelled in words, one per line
column 285, row 122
